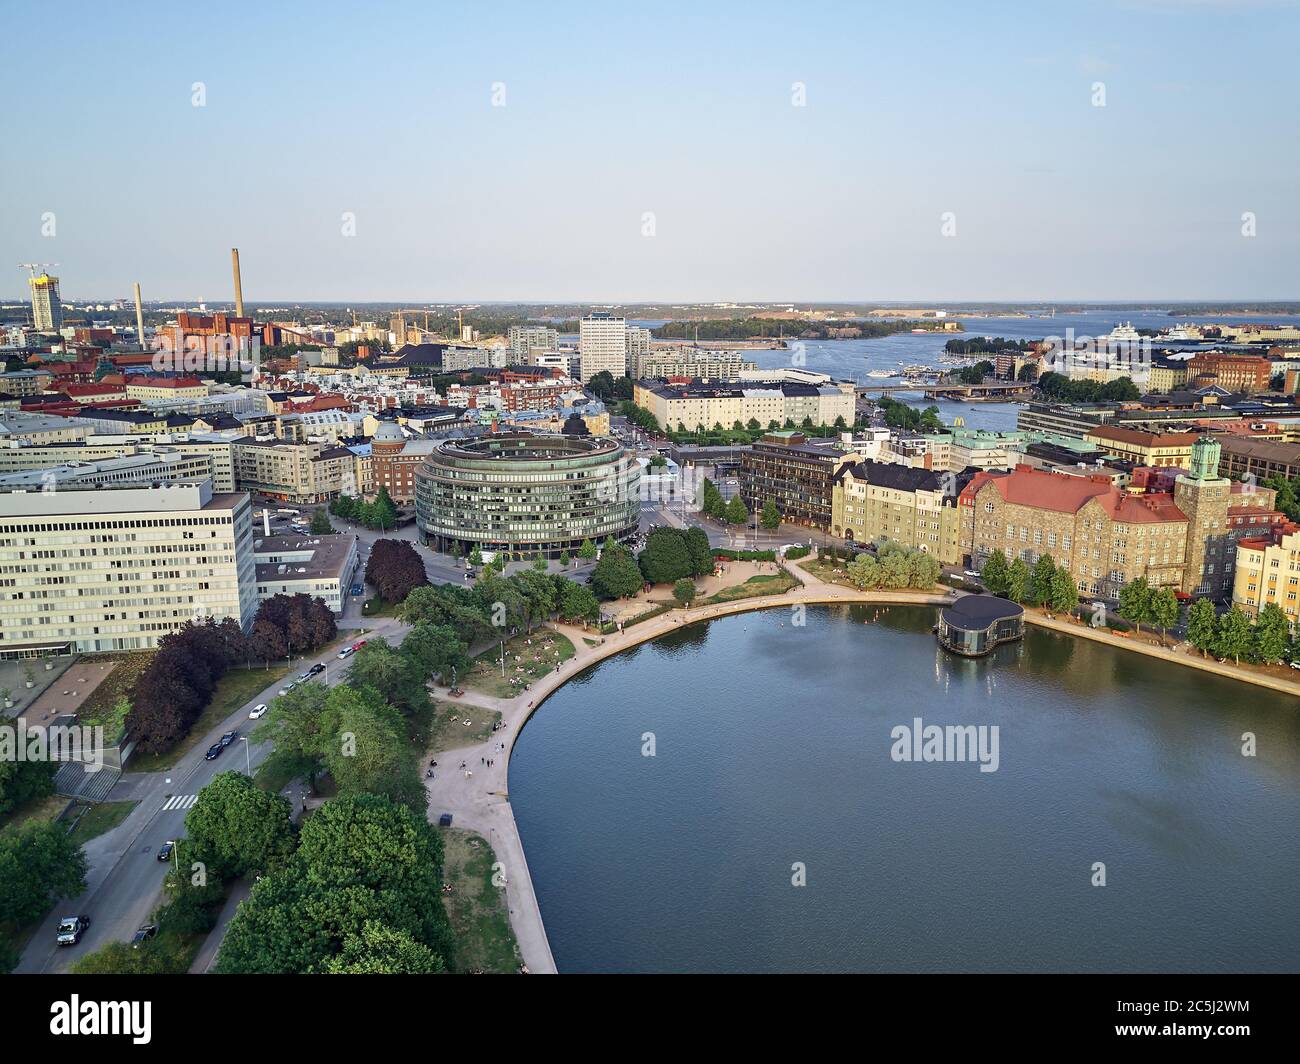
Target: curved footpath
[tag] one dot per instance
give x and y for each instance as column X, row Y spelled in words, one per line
column 478, row 796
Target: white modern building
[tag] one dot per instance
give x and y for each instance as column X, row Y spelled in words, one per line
column 100, row 568
column 602, row 344
column 323, row 567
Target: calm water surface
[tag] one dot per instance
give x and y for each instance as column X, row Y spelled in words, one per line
column 773, row 747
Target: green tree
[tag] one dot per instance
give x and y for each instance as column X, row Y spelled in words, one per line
column 23, row 781
column 994, row 572
column 1165, row 609
column 361, row 859
column 587, row 551
column 565, row 559
column 578, row 603
column 864, row 572
column 735, row 513
column 236, row 827
column 380, row 950
column 383, row 511
column 771, row 516
column 684, row 591
column 39, row 863
column 1044, row 570
column 1272, row 634
column 437, row 649
column 1233, row 636
column 1202, row 625
column 320, row 523
column 369, row 753
column 1135, row 601
column 616, row 575
column 1063, row 596
column 697, row 543
column 1019, row 581
column 666, row 557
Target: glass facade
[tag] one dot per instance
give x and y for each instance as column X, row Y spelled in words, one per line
column 527, row 493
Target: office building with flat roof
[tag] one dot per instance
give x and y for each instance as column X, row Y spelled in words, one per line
column 96, row 568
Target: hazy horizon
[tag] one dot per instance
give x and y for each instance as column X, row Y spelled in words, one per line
column 1110, row 151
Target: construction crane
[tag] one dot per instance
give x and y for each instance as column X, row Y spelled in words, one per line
column 34, row 266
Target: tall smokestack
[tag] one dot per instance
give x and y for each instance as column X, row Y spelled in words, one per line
column 239, row 290
column 139, row 317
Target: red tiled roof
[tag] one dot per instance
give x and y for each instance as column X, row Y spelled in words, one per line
column 1065, row 493
column 1050, row 491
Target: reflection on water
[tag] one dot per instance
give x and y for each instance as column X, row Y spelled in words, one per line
column 773, row 748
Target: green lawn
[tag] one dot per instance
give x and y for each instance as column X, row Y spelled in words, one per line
column 117, row 684
column 755, row 587
column 46, row 808
column 446, row 733
column 476, row 908
column 536, row 654
column 378, row 607
column 234, row 689
column 99, row 819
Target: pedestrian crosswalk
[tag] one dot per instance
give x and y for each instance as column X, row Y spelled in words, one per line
column 180, row 801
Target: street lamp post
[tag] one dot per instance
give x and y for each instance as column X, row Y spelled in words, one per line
column 248, row 757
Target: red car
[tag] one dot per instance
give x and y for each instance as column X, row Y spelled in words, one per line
column 358, row 646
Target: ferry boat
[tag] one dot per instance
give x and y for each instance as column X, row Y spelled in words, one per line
column 880, row 374
column 1124, row 332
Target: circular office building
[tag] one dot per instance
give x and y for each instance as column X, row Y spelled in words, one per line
column 975, row 624
column 524, row 493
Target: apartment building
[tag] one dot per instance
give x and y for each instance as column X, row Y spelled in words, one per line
column 694, row 363
column 1234, row 373
column 149, row 389
column 1268, row 570
column 93, row 568
column 602, row 345
column 771, row 404
column 281, row 470
column 525, row 339
column 1257, row 459
column 795, row 473
column 916, row 507
column 1145, row 448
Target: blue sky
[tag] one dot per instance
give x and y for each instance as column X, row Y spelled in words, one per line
column 683, row 110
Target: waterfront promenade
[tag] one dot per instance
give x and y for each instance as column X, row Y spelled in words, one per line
column 478, row 796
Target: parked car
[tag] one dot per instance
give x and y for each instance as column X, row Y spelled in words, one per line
column 165, row 853
column 71, row 928
column 214, row 752
column 358, row 646
column 346, row 652
column 257, row 711
column 229, row 737
column 288, row 687
column 316, row 669
column 971, row 574
column 143, row 935
column 357, row 589
column 304, row 677
column 1295, row 664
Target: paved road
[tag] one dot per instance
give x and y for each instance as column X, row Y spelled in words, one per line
column 124, row 883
